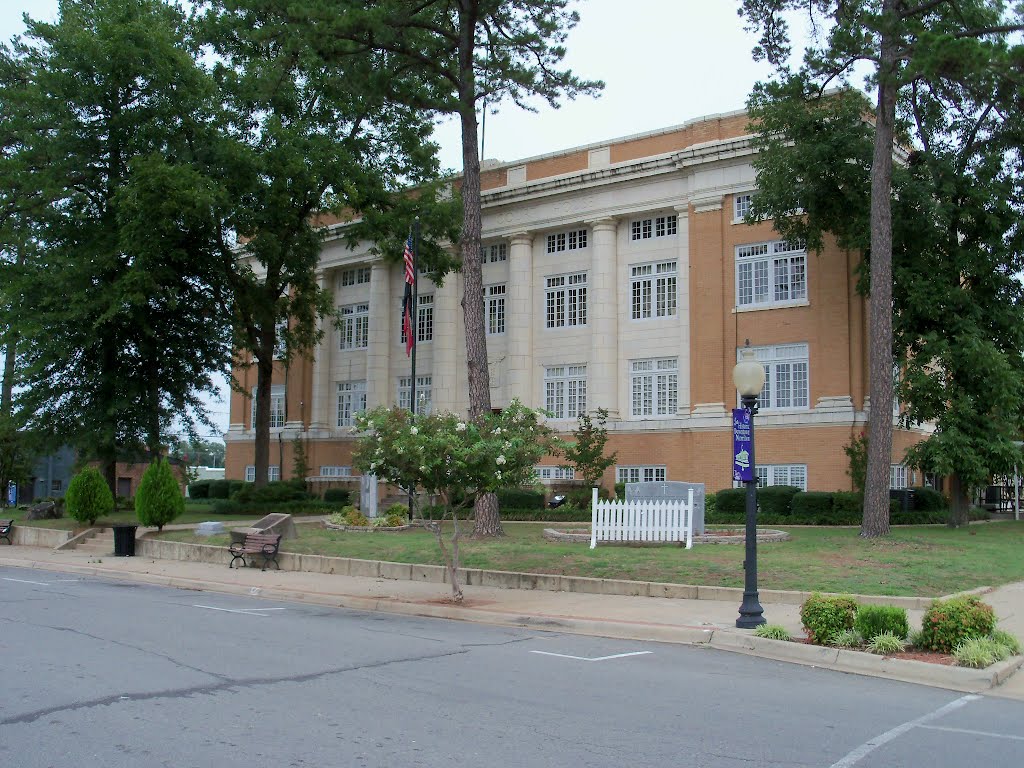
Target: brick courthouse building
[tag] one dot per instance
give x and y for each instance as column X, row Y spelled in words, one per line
column 618, row 275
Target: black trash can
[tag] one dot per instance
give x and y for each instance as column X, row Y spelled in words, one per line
column 124, row 540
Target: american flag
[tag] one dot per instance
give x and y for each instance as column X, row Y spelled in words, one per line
column 407, row 308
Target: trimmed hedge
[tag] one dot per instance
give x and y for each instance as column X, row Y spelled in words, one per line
column 776, row 499
column 271, row 492
column 219, row 489
column 947, row 623
column 808, row 508
column 825, row 616
column 255, row 509
column 563, row 514
column 812, row 503
column 199, row 489
column 337, row 496
column 874, row 620
column 520, row 498
column 730, row 502
column 929, row 500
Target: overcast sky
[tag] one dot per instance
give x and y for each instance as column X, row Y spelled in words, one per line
column 664, row 62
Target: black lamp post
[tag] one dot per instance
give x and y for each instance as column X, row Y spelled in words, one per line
column 748, row 375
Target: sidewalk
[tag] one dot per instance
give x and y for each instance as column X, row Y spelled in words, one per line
column 708, row 623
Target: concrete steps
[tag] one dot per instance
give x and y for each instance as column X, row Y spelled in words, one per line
column 100, row 543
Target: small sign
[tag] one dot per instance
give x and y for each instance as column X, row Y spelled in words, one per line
column 12, row 494
column 741, row 447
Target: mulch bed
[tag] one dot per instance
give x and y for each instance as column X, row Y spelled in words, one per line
column 931, row 657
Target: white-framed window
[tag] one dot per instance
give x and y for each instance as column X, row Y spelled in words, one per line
column 640, row 474
column 654, row 386
column 572, row 240
column 355, row 276
column 355, row 326
column 654, row 290
column 335, row 471
column 565, row 391
column 424, row 393
column 351, row 400
column 548, row 473
column 656, row 226
column 277, row 406
column 273, row 473
column 786, row 384
column 741, row 205
column 425, row 319
column 566, row 300
column 898, row 477
column 772, row 273
column 495, row 298
column 493, row 253
column 779, row 474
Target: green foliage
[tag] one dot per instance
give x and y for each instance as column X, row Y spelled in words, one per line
column 300, row 464
column 947, row 623
column 816, row 504
column 564, row 514
column 18, row 451
column 824, row 616
column 586, row 450
column 579, row 498
column 848, row 638
column 1005, row 638
column 221, row 489
column 353, row 516
column 199, row 489
column 773, row 632
column 88, row 497
column 158, row 500
column 848, row 505
column 874, row 620
column 310, row 507
column 886, row 643
column 337, row 495
column 620, row 491
column 979, row 652
column 520, row 498
column 776, row 499
column 857, row 453
column 929, row 500
column 730, row 502
column 271, row 493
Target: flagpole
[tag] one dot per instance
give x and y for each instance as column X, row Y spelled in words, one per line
column 413, row 321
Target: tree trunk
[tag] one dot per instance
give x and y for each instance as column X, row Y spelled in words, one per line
column 486, row 521
column 876, row 492
column 959, row 504
column 264, row 377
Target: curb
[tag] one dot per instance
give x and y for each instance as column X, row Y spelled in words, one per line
column 734, row 641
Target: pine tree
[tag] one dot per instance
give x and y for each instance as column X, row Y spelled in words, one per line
column 158, row 500
column 88, row 497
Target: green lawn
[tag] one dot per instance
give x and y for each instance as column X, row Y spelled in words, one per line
column 195, row 512
column 917, row 560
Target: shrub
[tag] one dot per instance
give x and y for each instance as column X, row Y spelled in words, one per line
column 776, row 499
column 977, row 652
column 88, row 496
column 302, row 507
column 219, row 489
column 772, row 632
column 710, row 504
column 817, row 504
column 579, row 498
column 337, row 495
column 199, row 489
column 159, row 499
column 885, row 644
column 1005, row 638
column 393, row 517
column 271, row 493
column 947, row 623
column 354, row 517
column 730, row 501
column 524, row 498
column 848, row 638
column 875, row 620
column 915, row 638
column 620, row 490
column 929, row 500
column 848, row 505
column 824, row 616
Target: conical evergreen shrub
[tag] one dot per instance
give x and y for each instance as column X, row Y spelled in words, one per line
column 158, row 500
column 88, row 497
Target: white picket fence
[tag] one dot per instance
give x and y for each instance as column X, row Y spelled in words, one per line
column 641, row 520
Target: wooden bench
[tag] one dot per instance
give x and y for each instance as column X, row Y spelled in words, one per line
column 641, row 521
column 263, row 544
column 5, row 530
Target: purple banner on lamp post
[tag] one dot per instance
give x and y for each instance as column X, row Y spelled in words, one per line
column 741, row 469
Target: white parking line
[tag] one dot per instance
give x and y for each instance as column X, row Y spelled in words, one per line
column 596, row 658
column 25, row 581
column 970, row 732
column 870, row 746
column 249, row 611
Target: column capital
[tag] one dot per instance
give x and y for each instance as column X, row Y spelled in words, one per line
column 707, row 203
column 607, row 223
column 521, row 238
column 683, row 210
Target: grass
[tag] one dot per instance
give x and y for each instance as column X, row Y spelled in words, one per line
column 195, row 512
column 913, row 560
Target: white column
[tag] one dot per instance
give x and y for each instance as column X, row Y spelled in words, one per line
column 519, row 320
column 603, row 319
column 321, row 395
column 683, row 306
column 444, row 370
column 378, row 347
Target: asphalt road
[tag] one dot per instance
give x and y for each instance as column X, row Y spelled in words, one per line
column 97, row 673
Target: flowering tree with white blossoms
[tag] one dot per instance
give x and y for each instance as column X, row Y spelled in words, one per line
column 452, row 458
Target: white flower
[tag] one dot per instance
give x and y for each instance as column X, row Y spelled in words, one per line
column 497, row 430
column 398, row 449
column 373, row 465
column 413, row 431
column 508, row 444
column 497, row 475
column 423, row 469
column 369, row 424
column 460, row 427
column 500, row 461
